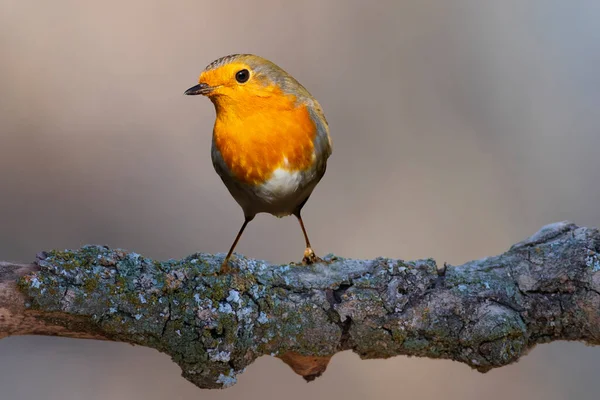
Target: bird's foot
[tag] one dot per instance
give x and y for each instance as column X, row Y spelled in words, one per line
column 310, row 257
column 226, row 269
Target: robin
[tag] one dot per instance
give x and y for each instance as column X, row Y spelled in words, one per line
column 270, row 139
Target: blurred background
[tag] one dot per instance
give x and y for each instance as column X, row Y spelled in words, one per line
column 459, row 128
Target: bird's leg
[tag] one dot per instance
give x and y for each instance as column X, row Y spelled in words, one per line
column 309, row 255
column 225, row 267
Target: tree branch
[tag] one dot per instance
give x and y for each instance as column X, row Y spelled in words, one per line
column 485, row 313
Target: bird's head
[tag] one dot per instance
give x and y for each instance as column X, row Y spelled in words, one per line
column 241, row 81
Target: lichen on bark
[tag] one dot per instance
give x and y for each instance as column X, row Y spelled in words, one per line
column 485, row 313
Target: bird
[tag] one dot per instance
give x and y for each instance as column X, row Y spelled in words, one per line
column 270, row 142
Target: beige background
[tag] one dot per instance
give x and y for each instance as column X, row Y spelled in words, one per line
column 459, row 128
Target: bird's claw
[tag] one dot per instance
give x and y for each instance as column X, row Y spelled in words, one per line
column 226, row 269
column 310, row 257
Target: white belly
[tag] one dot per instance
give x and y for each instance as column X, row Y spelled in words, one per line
column 285, row 190
column 282, row 184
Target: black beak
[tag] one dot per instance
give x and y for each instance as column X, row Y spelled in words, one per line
column 201, row 88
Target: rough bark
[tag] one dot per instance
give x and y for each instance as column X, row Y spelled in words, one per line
column 485, row 313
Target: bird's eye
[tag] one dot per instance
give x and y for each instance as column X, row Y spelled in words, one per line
column 242, row 76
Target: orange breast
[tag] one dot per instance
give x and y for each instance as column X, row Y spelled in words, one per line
column 257, row 137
